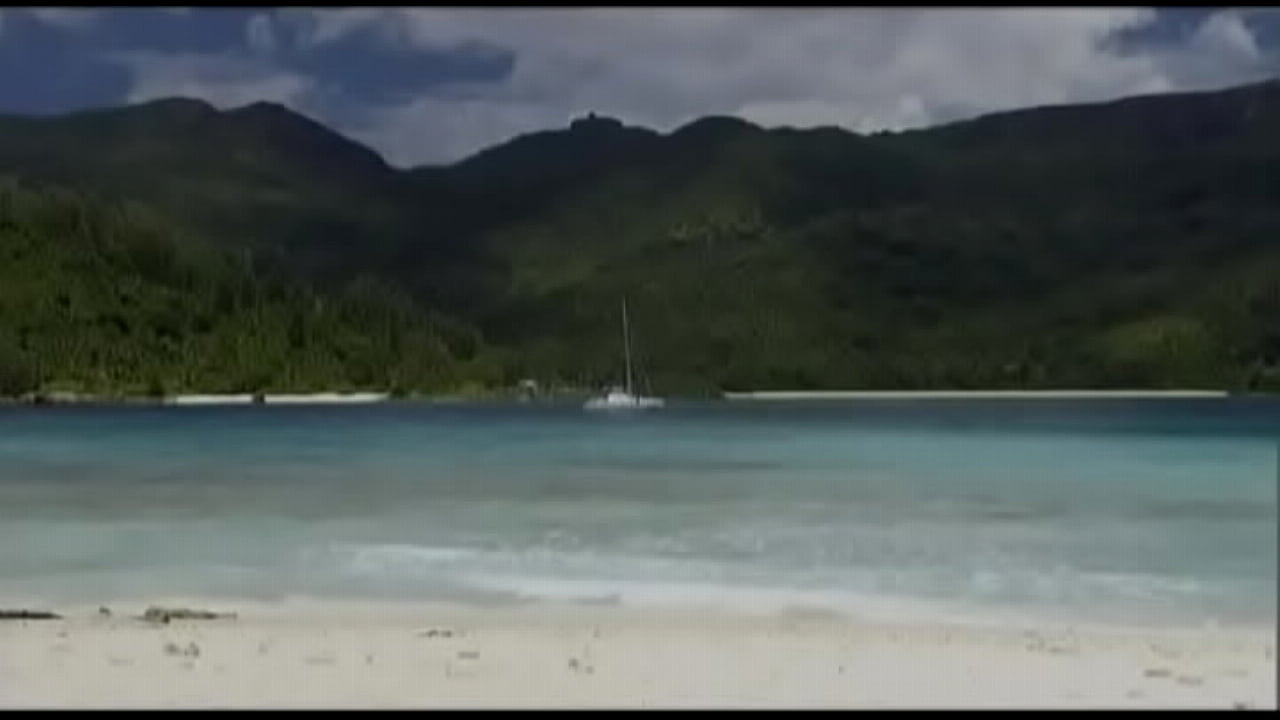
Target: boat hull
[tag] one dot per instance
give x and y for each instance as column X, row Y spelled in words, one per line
column 623, row 404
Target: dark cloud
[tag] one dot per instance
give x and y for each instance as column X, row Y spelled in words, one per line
column 48, row 66
column 44, row 69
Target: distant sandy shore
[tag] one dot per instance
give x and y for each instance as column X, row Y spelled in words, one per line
column 280, row 399
column 398, row 655
column 969, row 394
column 244, row 399
column 325, row 398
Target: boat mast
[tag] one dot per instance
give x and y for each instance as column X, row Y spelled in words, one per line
column 626, row 343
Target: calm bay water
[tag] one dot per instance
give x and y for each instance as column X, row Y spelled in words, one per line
column 1135, row 511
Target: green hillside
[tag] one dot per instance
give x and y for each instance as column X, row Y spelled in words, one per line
column 1125, row 244
column 105, row 298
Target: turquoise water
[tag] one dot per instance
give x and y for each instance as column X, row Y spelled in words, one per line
column 1139, row 511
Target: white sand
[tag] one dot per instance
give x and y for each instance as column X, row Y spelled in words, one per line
column 788, row 395
column 330, row 655
column 326, row 399
column 331, row 398
column 242, row 399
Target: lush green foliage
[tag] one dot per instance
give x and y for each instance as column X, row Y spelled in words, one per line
column 1128, row 244
column 106, row 298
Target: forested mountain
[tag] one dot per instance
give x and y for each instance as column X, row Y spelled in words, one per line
column 1134, row 243
column 106, row 298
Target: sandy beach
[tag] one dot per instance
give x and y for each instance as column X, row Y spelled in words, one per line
column 308, row 654
column 809, row 395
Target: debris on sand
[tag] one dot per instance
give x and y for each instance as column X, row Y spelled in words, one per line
column 173, row 649
column 164, row 615
column 23, row 614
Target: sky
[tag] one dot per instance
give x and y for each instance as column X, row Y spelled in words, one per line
column 432, row 85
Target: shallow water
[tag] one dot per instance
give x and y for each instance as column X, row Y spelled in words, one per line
column 1141, row 511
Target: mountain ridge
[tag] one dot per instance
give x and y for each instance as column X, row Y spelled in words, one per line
column 1105, row 244
column 198, row 106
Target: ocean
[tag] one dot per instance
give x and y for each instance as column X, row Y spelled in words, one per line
column 1133, row 511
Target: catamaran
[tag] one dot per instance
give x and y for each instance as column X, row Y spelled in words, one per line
column 623, row 398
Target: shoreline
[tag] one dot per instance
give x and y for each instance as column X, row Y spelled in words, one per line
column 321, row 653
column 322, row 398
column 360, row 608
column 786, row 395
column 512, row 397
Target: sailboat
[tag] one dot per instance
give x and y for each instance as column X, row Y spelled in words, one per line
column 624, row 398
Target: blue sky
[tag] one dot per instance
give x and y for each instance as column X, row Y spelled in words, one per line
column 432, row 85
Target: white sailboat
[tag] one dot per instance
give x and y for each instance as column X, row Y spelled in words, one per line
column 623, row 398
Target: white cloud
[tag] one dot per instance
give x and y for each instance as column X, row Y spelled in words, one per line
column 225, row 81
column 864, row 69
column 1225, row 33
